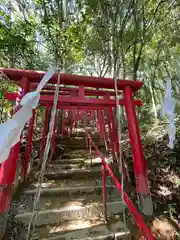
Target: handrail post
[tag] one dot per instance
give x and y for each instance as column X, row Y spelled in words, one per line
column 132, row 209
column 104, row 190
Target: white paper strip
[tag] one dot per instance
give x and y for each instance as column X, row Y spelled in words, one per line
column 10, row 131
column 34, row 97
column 168, row 109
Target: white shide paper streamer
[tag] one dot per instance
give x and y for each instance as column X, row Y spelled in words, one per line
column 168, row 109
column 10, row 131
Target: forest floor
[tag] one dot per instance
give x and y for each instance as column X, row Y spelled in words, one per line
column 164, row 174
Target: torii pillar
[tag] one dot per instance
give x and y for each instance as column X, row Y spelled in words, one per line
column 140, row 165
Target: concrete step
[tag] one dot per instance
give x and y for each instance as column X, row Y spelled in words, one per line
column 83, row 230
column 61, row 160
column 75, row 188
column 75, row 163
column 81, row 142
column 75, row 212
column 80, row 153
column 57, row 230
column 82, row 173
column 64, row 166
column 48, row 202
column 75, row 191
column 68, row 183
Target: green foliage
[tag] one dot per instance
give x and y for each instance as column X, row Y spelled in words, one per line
column 137, row 39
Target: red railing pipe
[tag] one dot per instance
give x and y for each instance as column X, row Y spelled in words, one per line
column 134, row 212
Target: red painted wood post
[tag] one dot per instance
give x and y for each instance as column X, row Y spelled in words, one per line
column 140, row 165
column 29, row 145
column 102, row 128
column 104, row 190
column 45, row 131
column 8, row 168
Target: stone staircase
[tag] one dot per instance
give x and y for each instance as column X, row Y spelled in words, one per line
column 70, row 205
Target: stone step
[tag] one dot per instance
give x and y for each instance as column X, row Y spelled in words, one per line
column 84, row 146
column 64, row 166
column 81, row 142
column 75, row 163
column 68, row 183
column 83, row 230
column 60, row 191
column 80, row 153
column 55, row 230
column 72, row 187
column 82, row 173
column 78, row 161
column 47, row 202
column 91, row 211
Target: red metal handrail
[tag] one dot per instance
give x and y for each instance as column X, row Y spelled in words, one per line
column 132, row 209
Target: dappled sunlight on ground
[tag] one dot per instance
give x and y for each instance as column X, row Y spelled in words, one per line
column 72, row 226
column 161, row 228
column 164, row 191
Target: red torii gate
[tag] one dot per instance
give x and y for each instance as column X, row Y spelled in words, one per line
column 76, row 98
